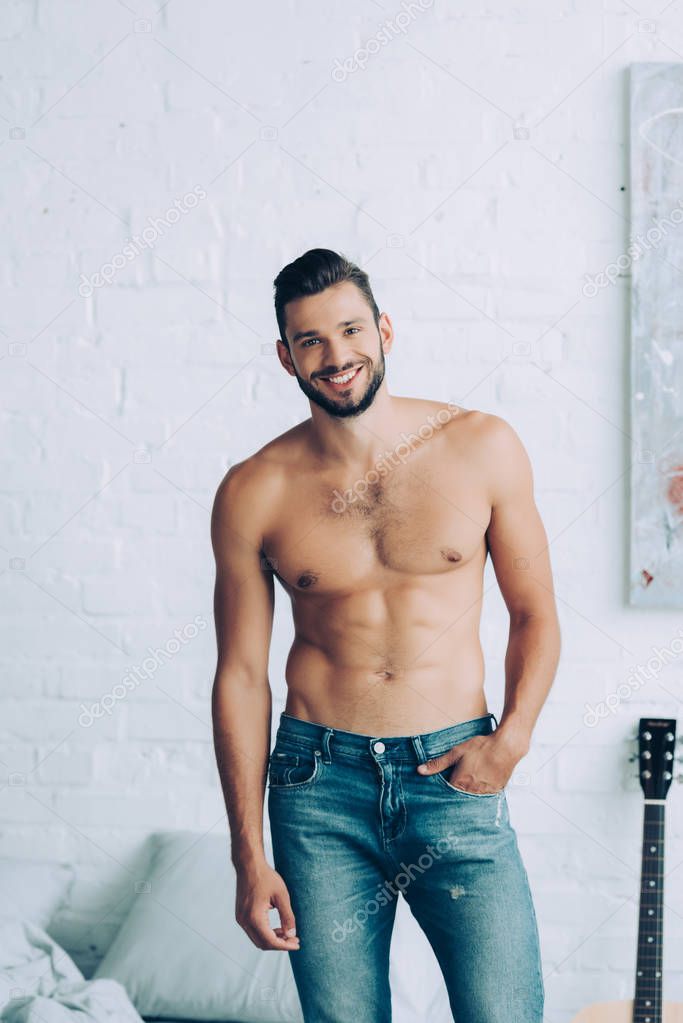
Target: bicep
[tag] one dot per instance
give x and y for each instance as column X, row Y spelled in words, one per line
column 244, row 591
column 516, row 536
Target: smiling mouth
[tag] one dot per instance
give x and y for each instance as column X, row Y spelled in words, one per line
column 342, row 381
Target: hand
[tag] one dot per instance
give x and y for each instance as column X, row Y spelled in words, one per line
column 483, row 763
column 258, row 890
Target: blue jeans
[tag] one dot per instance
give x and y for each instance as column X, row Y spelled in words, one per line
column 353, row 824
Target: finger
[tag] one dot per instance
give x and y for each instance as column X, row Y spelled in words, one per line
column 451, row 756
column 467, row 781
column 266, row 937
column 437, row 763
column 281, row 902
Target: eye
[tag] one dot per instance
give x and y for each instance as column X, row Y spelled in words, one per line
column 311, row 340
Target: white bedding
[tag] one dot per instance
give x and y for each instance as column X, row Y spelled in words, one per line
column 40, row 983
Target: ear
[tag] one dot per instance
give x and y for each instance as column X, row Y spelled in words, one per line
column 285, row 357
column 386, row 332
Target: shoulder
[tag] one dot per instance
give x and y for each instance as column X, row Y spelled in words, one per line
column 251, row 488
column 429, row 416
column 230, row 517
column 492, row 449
column 498, row 450
column 479, row 438
column 476, row 433
column 493, row 434
column 264, row 468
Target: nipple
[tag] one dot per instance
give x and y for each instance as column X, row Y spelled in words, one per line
column 450, row 554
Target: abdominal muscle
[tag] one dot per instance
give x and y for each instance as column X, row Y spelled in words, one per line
column 382, row 669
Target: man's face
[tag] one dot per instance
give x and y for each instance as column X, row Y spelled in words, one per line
column 331, row 335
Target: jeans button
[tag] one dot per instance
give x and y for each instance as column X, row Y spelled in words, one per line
column 379, row 747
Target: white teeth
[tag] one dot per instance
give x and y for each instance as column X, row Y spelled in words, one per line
column 343, row 379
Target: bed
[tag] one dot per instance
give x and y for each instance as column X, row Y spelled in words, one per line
column 179, row 955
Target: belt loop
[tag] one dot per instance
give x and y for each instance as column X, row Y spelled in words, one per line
column 491, row 715
column 419, row 748
column 327, row 756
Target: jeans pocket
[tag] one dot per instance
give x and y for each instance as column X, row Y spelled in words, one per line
column 290, row 770
column 441, row 776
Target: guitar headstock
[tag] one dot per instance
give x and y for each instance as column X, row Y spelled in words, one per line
column 656, row 755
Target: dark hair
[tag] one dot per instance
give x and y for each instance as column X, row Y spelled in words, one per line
column 310, row 274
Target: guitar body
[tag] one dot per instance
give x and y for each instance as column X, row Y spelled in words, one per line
column 622, row 1012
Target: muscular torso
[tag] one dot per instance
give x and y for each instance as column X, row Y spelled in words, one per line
column 385, row 580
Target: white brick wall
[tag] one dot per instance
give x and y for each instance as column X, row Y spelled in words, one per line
column 476, row 242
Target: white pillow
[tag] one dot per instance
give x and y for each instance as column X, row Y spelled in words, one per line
column 32, row 890
column 180, row 951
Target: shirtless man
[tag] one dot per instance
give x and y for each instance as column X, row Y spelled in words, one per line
column 376, row 515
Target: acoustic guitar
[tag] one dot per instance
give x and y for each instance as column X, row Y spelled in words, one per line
column 656, row 755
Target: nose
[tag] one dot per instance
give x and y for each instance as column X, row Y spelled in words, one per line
column 337, row 358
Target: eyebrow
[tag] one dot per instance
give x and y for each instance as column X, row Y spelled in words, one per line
column 314, row 333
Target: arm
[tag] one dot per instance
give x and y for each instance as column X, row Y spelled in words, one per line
column 518, row 546
column 241, row 698
column 519, row 552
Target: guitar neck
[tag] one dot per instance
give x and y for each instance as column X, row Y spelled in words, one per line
column 647, row 1004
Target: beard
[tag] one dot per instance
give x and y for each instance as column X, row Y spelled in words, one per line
column 343, row 407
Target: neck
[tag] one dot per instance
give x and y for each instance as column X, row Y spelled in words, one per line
column 356, row 440
column 647, row 1003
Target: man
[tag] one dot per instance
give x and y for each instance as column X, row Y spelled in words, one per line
column 376, row 515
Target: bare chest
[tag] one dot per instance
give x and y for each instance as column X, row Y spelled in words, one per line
column 334, row 536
